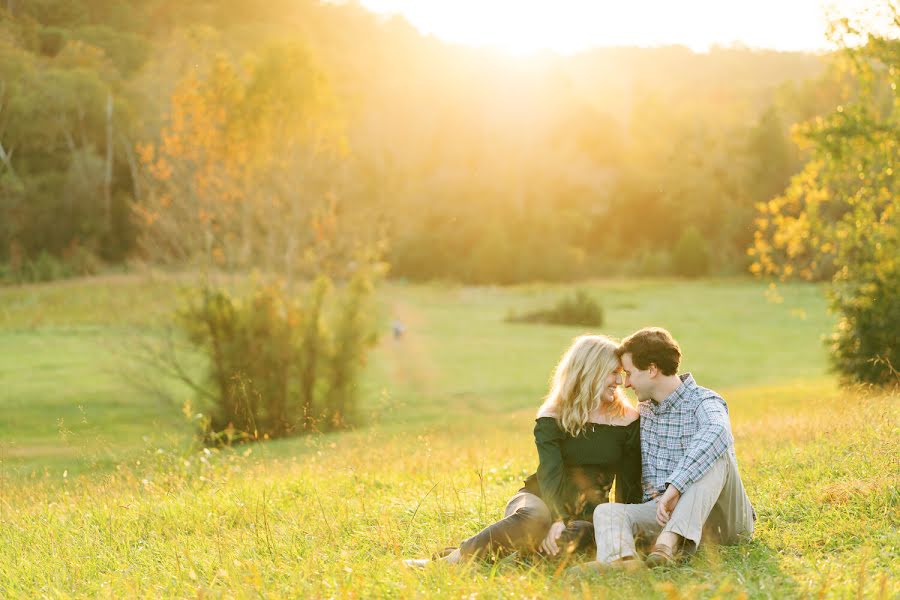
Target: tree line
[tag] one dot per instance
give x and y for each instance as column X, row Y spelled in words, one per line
column 474, row 166
column 300, row 141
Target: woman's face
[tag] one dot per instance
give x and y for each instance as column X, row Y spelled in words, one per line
column 613, row 380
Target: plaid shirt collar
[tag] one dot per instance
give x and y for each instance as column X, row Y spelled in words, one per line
column 687, row 385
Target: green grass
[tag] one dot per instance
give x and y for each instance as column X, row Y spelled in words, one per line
column 100, row 493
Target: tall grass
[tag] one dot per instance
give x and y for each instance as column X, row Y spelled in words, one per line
column 112, row 499
column 334, row 516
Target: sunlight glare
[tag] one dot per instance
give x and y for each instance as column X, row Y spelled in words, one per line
column 569, row 26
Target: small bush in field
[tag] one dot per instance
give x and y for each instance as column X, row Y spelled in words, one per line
column 578, row 309
column 278, row 365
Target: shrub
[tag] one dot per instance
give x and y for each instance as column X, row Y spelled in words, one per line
column 690, row 257
column 77, row 261
column 864, row 345
column 838, row 216
column 578, row 309
column 81, row 261
column 278, row 365
column 51, row 40
column 45, row 267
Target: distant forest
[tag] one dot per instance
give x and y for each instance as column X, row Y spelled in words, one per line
column 477, row 167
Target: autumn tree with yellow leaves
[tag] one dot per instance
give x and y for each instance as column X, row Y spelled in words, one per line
column 245, row 165
column 244, row 179
column 839, row 216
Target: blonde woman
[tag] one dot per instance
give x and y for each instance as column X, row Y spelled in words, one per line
column 587, row 436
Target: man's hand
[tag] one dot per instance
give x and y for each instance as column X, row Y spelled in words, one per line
column 548, row 546
column 666, row 505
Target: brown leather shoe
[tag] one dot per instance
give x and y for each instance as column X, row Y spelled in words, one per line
column 662, row 556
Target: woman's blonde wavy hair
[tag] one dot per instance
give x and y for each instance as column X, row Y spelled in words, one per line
column 577, row 386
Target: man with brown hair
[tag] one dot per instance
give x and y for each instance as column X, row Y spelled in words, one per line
column 689, row 470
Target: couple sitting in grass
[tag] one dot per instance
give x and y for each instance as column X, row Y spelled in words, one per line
column 672, row 460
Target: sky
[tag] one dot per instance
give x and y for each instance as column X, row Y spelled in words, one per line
column 570, row 26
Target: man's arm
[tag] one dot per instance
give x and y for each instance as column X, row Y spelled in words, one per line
column 712, row 440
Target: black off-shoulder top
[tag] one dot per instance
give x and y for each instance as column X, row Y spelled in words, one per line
column 576, row 473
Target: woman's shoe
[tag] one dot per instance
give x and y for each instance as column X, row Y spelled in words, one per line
column 416, row 563
column 445, row 555
column 626, row 564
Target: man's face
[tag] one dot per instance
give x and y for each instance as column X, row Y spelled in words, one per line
column 640, row 381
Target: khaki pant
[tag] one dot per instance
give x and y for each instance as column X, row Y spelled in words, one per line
column 716, row 506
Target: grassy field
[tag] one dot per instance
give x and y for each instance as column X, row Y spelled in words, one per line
column 102, row 493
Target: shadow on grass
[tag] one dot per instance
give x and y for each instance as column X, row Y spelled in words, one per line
column 751, row 569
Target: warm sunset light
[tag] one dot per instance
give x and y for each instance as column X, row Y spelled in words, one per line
column 569, row 26
column 449, row 298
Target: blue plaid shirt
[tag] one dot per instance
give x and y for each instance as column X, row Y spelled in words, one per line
column 682, row 436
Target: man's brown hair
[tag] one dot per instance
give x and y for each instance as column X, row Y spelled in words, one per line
column 652, row 345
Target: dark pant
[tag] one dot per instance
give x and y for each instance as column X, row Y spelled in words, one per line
column 524, row 526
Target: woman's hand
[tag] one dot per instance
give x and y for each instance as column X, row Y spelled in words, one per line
column 548, row 546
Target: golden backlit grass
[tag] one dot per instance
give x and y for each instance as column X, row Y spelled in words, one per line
column 446, row 440
column 336, row 516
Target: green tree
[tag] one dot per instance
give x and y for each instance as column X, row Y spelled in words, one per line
column 65, row 122
column 839, row 217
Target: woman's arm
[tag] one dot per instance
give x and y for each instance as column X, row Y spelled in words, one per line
column 551, row 472
column 628, row 473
